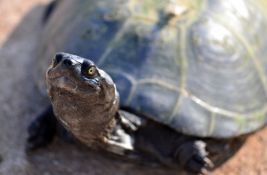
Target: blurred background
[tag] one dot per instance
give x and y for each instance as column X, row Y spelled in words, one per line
column 20, row 27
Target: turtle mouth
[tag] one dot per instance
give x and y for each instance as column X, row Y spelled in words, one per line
column 51, row 74
column 64, row 83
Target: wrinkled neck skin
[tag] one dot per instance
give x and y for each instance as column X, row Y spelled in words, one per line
column 89, row 118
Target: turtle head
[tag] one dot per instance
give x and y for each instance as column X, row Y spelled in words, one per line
column 82, row 95
column 79, row 76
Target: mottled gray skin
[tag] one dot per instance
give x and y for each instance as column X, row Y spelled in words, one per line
column 84, row 106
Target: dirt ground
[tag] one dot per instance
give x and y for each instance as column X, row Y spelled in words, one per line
column 17, row 41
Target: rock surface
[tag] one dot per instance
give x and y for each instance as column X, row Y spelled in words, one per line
column 20, row 102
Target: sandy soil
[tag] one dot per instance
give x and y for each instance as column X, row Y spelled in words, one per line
column 11, row 13
column 17, row 41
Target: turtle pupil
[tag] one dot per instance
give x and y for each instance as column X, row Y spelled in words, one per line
column 91, row 71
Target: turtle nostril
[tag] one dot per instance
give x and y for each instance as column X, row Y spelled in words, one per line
column 57, row 59
column 67, row 62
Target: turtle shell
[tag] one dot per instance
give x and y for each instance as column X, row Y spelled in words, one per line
column 196, row 66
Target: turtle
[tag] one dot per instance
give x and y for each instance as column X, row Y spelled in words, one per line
column 153, row 80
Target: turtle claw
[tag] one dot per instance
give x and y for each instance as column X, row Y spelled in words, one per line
column 193, row 157
column 199, row 166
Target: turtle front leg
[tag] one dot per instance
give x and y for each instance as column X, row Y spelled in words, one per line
column 42, row 130
column 150, row 141
column 121, row 140
column 173, row 149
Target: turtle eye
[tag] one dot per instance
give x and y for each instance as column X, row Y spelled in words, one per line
column 91, row 71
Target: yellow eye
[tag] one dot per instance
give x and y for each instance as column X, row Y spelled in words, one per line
column 91, row 71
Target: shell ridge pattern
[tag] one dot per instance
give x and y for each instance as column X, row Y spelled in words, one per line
column 218, row 110
column 213, row 109
column 131, row 79
column 240, row 120
column 113, row 41
column 146, row 55
column 180, row 59
column 182, row 74
column 212, row 123
column 159, row 82
column 250, row 50
column 257, row 115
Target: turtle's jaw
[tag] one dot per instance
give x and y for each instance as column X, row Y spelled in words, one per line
column 62, row 83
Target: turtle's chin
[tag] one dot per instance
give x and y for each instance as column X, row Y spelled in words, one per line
column 64, row 84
